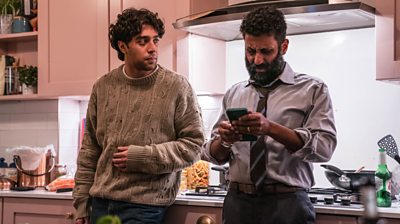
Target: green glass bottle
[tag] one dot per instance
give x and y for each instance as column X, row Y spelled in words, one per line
column 382, row 174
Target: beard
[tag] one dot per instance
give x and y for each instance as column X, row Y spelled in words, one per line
column 272, row 70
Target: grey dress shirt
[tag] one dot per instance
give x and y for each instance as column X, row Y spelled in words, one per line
column 300, row 102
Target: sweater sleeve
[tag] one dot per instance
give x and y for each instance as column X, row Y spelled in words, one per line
column 87, row 160
column 174, row 155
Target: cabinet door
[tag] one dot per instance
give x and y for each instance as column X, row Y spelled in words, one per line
column 185, row 214
column 37, row 211
column 387, row 24
column 73, row 45
column 169, row 11
column 1, row 210
column 335, row 219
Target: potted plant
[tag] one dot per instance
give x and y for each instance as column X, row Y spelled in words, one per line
column 28, row 76
column 9, row 8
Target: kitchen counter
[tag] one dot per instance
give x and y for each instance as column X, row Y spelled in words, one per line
column 41, row 194
column 210, row 201
column 355, row 210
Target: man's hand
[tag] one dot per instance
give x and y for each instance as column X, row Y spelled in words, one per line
column 227, row 132
column 120, row 158
column 84, row 220
column 253, row 123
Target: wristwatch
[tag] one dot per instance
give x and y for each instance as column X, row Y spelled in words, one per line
column 225, row 144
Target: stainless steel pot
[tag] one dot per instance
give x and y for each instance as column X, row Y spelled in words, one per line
column 223, row 182
column 355, row 180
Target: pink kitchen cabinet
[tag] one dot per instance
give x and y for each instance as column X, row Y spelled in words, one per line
column 387, row 24
column 185, row 214
column 335, row 219
column 37, row 211
column 73, row 48
column 1, row 210
column 24, row 47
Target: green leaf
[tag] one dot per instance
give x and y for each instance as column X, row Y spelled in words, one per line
column 109, row 219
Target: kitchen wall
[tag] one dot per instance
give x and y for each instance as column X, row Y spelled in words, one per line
column 31, row 123
column 38, row 123
column 365, row 109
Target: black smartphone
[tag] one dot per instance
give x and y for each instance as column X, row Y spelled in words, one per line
column 234, row 114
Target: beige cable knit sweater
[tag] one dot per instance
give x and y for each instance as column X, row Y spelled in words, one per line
column 158, row 117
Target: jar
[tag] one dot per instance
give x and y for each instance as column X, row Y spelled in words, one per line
column 21, row 24
column 12, row 85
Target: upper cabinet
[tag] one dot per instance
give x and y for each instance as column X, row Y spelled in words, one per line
column 73, row 46
column 387, row 24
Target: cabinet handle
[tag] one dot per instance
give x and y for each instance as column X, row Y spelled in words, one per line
column 205, row 219
column 69, row 215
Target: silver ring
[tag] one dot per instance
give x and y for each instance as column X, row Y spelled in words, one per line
column 248, row 128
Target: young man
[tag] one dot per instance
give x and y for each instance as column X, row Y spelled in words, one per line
column 143, row 126
column 291, row 116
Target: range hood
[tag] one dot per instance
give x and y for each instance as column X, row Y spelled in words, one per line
column 302, row 17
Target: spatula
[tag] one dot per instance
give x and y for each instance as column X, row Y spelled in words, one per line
column 389, row 145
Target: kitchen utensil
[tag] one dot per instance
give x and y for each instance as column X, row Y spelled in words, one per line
column 389, row 145
column 223, row 182
column 357, row 180
column 359, row 169
column 343, row 178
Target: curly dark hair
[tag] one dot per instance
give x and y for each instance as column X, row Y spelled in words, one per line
column 129, row 24
column 265, row 20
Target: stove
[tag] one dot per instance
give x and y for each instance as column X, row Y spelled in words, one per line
column 334, row 197
column 211, row 191
column 331, row 197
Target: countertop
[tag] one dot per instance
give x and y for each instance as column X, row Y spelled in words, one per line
column 40, row 194
column 210, row 201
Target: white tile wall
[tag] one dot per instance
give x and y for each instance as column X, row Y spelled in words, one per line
column 69, row 120
column 210, row 109
column 31, row 123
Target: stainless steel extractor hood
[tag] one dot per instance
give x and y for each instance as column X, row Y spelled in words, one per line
column 302, row 16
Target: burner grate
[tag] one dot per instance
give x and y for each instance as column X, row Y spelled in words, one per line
column 216, row 191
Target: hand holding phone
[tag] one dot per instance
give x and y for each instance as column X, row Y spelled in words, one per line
column 234, row 114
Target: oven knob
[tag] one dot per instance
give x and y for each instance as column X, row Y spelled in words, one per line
column 205, row 219
column 345, row 201
column 328, row 201
column 313, row 200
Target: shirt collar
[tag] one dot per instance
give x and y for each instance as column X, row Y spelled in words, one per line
column 127, row 76
column 287, row 77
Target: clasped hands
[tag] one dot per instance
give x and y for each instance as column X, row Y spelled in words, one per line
column 253, row 123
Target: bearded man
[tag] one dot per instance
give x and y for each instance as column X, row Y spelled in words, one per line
column 291, row 115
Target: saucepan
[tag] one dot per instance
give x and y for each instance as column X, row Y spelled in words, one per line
column 348, row 179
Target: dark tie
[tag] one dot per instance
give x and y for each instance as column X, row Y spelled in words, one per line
column 258, row 171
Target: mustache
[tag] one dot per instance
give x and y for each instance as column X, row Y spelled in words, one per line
column 252, row 67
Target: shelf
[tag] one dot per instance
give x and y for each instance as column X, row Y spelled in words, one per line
column 25, row 36
column 21, row 97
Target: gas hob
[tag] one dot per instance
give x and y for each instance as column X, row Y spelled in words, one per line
column 334, row 197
